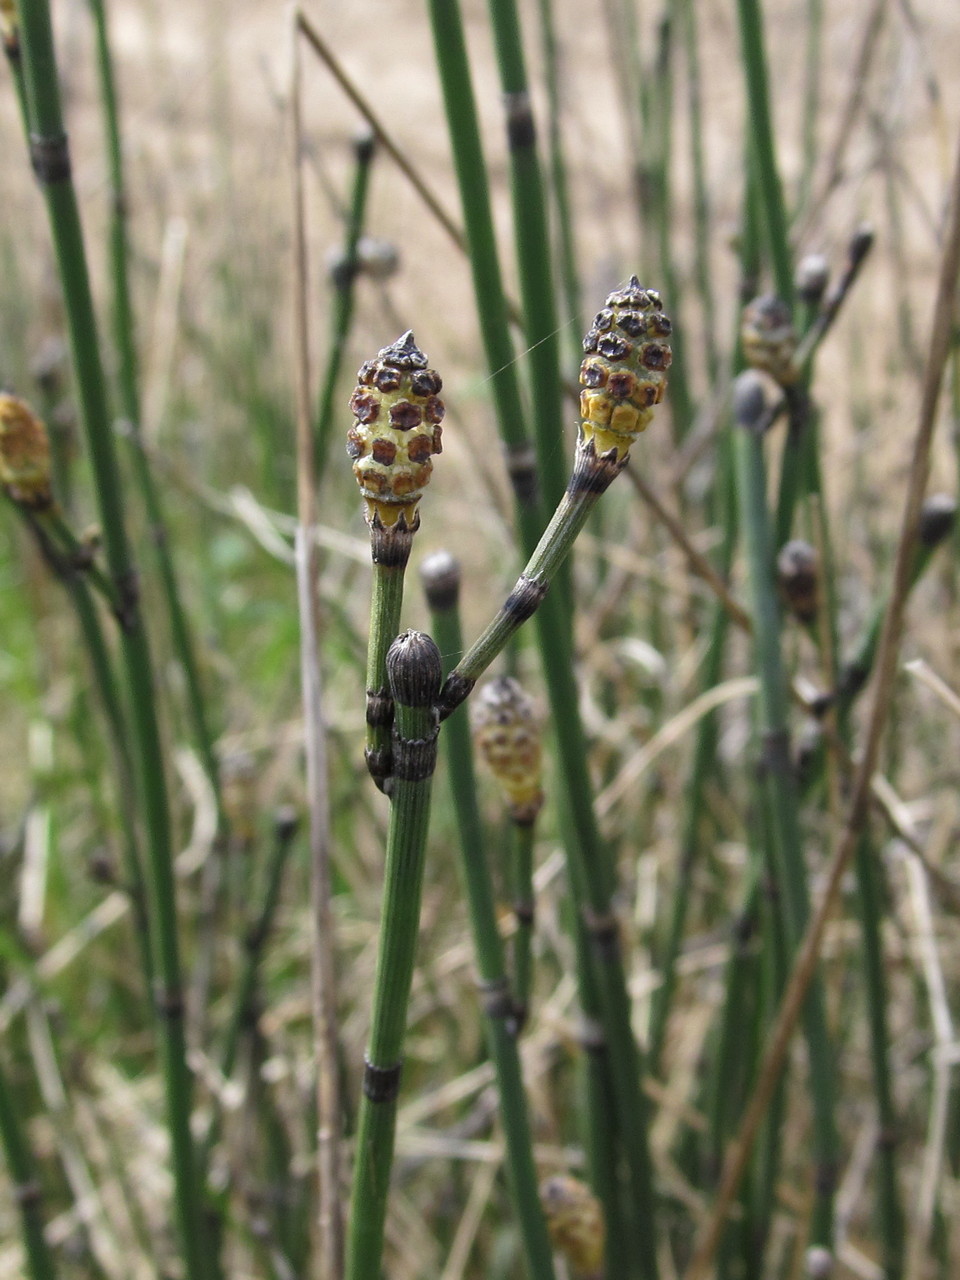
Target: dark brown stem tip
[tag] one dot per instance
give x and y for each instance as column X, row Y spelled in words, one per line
column 440, row 575
column 364, row 145
column 415, row 670
column 937, row 518
column 861, row 243
column 749, row 401
column 286, row 820
column 812, row 276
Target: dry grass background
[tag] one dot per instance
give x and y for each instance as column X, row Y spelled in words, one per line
column 203, row 101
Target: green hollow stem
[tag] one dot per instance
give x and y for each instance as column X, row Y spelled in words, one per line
column 124, row 336
column 390, row 549
column 500, row 1008
column 522, row 841
column 702, row 768
column 703, row 233
column 589, row 862
column 492, row 311
column 50, row 157
column 591, row 476
column 111, row 702
column 414, row 667
column 779, row 781
column 762, row 145
column 532, row 238
column 581, row 837
column 25, row 1187
column 243, row 1014
column 344, row 284
column 767, row 1159
column 560, row 187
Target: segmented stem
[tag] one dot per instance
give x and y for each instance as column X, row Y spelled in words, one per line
column 414, row 669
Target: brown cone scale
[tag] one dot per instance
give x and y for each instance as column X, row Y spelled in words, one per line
column 396, row 432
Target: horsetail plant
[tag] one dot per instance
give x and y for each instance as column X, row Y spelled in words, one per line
column 25, row 474
column 779, row 787
column 414, row 672
column 507, row 731
column 623, row 376
column 440, row 574
column 50, row 156
column 398, row 413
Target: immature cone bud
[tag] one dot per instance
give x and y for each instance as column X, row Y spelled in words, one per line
column 575, row 1222
column 769, row 338
column 24, row 455
column 440, row 575
column 507, row 732
column 624, row 373
column 937, row 518
column 798, row 576
column 397, row 431
column 813, row 273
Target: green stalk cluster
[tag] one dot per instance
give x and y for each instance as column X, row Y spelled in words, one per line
column 779, row 782
column 441, row 580
column 124, row 336
column 51, row 163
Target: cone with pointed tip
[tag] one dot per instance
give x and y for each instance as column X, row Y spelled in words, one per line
column 395, row 435
column 623, row 376
column 624, row 373
column 397, row 431
column 506, row 729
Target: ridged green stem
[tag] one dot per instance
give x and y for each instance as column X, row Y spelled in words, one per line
column 344, row 283
column 26, row 1189
column 762, row 145
column 51, row 162
column 530, row 591
column 813, row 59
column 255, row 939
column 703, row 230
column 124, row 335
column 498, row 1004
column 532, row 237
column 565, row 237
column 415, row 671
column 588, row 859
column 704, row 760
column 779, row 782
column 522, row 840
column 105, row 682
column 492, row 312
column 385, row 605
